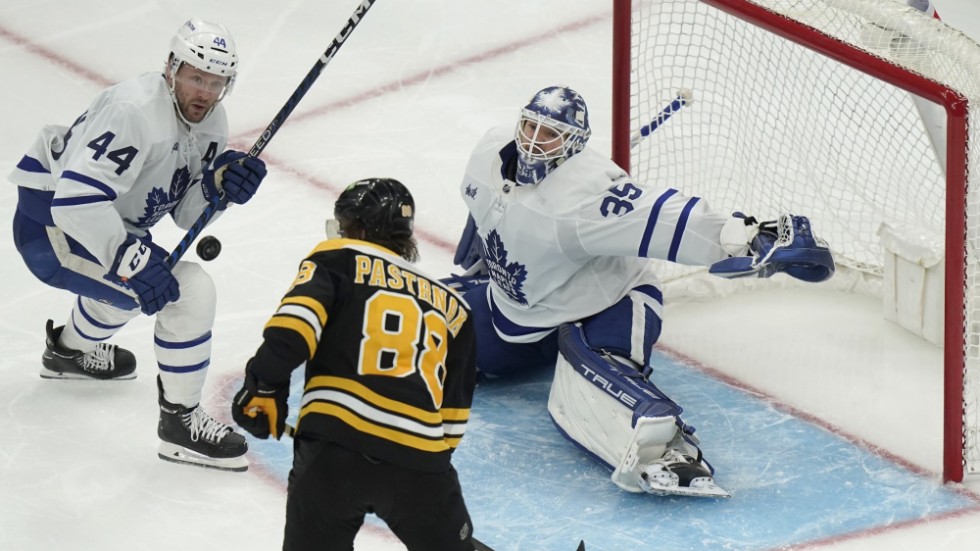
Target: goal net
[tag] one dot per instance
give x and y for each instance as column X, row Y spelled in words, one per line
column 855, row 113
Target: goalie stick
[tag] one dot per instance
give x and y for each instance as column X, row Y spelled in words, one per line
column 684, row 97
column 218, row 200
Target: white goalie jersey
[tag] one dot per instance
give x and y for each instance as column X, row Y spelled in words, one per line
column 605, row 225
column 123, row 165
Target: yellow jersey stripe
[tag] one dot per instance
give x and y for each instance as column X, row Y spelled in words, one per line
column 371, row 397
column 297, row 325
column 310, row 303
column 367, row 427
column 374, row 414
column 455, row 414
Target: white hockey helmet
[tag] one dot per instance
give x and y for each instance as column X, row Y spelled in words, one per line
column 206, row 46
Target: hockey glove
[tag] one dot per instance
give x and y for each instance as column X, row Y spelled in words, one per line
column 468, row 250
column 235, row 174
column 785, row 245
column 464, row 283
column 141, row 266
column 260, row 408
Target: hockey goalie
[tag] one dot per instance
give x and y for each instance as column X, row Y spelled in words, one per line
column 555, row 254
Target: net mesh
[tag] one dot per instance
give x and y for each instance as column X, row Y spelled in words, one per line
column 778, row 127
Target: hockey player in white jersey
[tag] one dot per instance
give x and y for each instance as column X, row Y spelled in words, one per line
column 564, row 235
column 88, row 195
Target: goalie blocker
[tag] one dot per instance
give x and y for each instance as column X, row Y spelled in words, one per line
column 604, row 405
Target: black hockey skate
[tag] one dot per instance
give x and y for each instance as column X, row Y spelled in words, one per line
column 191, row 436
column 679, row 474
column 105, row 362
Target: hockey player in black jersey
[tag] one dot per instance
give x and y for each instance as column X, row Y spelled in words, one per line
column 390, row 372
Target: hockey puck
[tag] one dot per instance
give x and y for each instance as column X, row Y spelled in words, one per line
column 208, row 248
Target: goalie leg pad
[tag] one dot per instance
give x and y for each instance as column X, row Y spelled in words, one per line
column 606, row 407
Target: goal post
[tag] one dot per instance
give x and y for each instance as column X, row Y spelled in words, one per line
column 810, row 106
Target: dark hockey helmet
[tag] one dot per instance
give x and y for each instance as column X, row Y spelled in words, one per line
column 382, row 206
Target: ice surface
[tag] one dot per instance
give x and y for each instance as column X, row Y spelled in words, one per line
column 408, row 95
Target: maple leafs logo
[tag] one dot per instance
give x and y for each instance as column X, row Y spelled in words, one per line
column 552, row 101
column 159, row 202
column 179, row 183
column 509, row 277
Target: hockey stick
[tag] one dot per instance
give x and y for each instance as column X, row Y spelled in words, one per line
column 270, row 131
column 684, row 97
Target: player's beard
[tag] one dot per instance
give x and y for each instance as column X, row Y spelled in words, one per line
column 195, row 110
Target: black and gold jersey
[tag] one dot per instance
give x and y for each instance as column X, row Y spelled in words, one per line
column 390, row 354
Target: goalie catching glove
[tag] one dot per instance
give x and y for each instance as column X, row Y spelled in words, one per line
column 260, row 408
column 785, row 245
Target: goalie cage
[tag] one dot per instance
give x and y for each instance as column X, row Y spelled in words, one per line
column 832, row 104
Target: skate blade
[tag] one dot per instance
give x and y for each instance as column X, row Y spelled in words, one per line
column 58, row 375
column 178, row 454
column 699, row 488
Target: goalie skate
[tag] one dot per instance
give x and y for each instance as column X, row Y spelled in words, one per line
column 681, row 475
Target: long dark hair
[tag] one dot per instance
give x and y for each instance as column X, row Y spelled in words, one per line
column 405, row 247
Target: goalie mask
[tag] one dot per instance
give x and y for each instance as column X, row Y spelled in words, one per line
column 553, row 126
column 208, row 47
column 383, row 207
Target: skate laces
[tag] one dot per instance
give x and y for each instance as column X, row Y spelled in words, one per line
column 99, row 359
column 202, row 425
column 672, row 456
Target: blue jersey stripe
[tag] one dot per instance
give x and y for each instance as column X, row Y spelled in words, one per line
column 91, row 320
column 650, row 291
column 675, row 243
column 652, row 222
column 510, row 328
column 185, row 344
column 30, row 164
column 88, row 199
column 184, row 368
column 86, row 335
column 89, row 181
